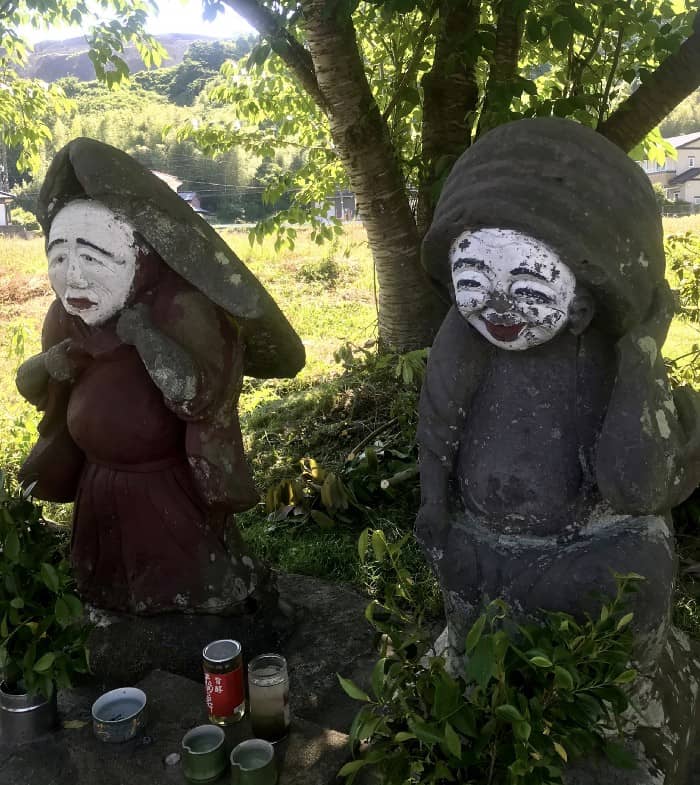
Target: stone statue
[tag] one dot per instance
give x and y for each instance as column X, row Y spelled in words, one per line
column 143, row 353
column 551, row 445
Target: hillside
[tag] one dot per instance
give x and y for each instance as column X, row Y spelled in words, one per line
column 52, row 60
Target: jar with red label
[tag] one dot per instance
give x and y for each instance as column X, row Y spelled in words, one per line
column 223, row 681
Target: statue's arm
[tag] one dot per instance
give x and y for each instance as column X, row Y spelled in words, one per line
column 54, row 465
column 183, row 350
column 647, row 453
column 59, row 360
column 454, row 370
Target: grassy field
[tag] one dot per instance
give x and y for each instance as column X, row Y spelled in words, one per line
column 327, row 292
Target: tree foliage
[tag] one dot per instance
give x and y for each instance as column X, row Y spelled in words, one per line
column 383, row 95
column 26, row 105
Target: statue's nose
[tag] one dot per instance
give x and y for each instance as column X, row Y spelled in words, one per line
column 499, row 302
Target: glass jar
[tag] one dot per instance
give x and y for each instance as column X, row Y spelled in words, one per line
column 268, row 692
column 223, row 680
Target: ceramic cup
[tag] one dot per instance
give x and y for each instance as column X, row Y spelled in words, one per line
column 204, row 753
column 119, row 714
column 253, row 763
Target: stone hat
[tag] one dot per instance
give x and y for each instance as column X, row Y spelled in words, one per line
column 184, row 240
column 569, row 187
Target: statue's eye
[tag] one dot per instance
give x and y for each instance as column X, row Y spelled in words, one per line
column 532, row 295
column 468, row 283
column 57, row 259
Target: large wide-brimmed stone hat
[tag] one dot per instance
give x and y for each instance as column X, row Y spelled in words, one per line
column 87, row 168
column 569, row 187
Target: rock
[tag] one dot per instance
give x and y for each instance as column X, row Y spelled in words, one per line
column 73, row 756
column 330, row 638
column 322, row 633
column 124, row 648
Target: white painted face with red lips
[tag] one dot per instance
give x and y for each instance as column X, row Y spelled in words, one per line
column 511, row 288
column 92, row 261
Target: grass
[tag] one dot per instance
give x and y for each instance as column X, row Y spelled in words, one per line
column 326, row 412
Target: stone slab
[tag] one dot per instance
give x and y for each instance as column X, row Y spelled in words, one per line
column 73, row 756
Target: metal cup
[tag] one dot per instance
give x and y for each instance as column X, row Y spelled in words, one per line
column 204, row 753
column 253, row 763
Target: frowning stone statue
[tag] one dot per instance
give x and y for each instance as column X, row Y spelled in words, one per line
column 552, row 447
column 144, row 349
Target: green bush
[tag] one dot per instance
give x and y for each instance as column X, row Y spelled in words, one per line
column 42, row 632
column 530, row 697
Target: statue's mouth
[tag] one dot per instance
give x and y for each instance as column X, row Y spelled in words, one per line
column 504, row 332
column 80, row 303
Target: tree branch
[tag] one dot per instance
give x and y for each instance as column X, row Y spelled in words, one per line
column 504, row 67
column 450, row 98
column 272, row 27
column 611, row 75
column 675, row 79
column 409, row 70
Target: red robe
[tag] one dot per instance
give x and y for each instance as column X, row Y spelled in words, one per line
column 154, row 481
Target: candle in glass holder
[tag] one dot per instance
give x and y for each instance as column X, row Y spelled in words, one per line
column 268, row 686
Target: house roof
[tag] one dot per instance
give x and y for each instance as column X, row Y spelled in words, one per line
column 681, row 141
column 4, row 195
column 683, row 177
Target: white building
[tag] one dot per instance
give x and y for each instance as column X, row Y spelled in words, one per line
column 680, row 177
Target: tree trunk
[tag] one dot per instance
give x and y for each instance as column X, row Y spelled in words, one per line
column 409, row 309
column 675, row 79
column 450, row 97
column 504, row 67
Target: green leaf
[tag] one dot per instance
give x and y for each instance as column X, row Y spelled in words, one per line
column 50, row 577
column 624, row 621
column 74, row 605
column 430, row 734
column 541, row 662
column 562, row 678
column 379, row 545
column 626, row 677
column 474, row 634
column 352, row 767
column 362, row 544
column 62, row 613
column 561, row 752
column 352, row 689
column 378, row 678
column 454, row 743
column 480, row 665
column 45, row 662
column 323, row 520
column 508, row 712
column 17, row 602
column 561, row 35
column 522, row 730
column 403, row 736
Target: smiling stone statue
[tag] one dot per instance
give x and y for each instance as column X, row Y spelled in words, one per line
column 155, row 322
column 552, row 447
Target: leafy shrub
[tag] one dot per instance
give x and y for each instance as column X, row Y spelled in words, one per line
column 42, row 633
column 530, row 697
column 25, row 218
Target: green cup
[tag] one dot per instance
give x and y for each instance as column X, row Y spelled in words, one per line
column 253, row 763
column 204, row 754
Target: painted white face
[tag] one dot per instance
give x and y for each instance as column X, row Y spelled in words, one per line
column 510, row 287
column 92, row 261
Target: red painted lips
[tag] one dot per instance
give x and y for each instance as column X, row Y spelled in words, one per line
column 504, row 332
column 81, row 303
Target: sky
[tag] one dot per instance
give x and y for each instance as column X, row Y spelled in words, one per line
column 174, row 16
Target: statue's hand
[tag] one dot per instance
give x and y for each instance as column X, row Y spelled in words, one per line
column 64, row 361
column 647, row 339
column 133, row 322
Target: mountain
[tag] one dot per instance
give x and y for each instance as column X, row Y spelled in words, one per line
column 53, row 59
